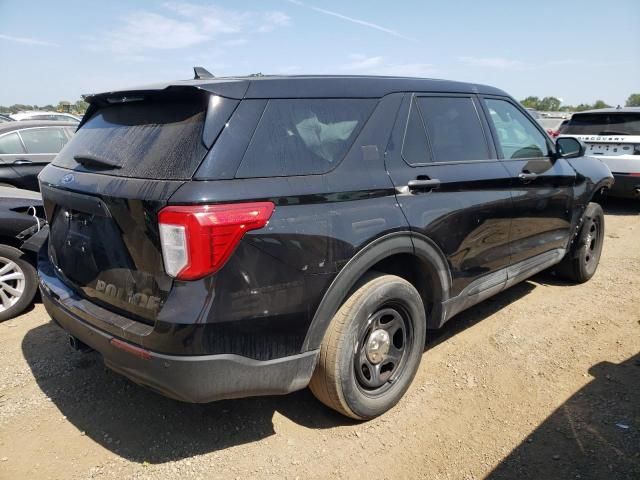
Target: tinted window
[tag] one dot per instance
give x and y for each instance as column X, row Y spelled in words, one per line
column 159, row 138
column 604, row 124
column 42, row 117
column 44, row 140
column 302, row 137
column 415, row 148
column 517, row 135
column 453, row 128
column 10, row 144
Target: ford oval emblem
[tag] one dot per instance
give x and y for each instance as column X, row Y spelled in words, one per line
column 68, row 178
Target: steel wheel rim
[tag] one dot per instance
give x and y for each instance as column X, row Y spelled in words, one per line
column 12, row 283
column 375, row 376
column 592, row 244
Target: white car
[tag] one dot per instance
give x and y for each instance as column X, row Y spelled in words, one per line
column 613, row 135
column 43, row 115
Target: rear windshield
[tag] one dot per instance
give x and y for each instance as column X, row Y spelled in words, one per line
column 154, row 138
column 303, row 136
column 604, row 124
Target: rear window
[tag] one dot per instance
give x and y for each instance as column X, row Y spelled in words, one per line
column 454, row 129
column 303, row 136
column 157, row 138
column 604, row 124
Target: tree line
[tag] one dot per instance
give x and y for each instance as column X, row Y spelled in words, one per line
column 546, row 104
column 553, row 104
column 78, row 107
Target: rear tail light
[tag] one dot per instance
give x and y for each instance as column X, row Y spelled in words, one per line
column 197, row 240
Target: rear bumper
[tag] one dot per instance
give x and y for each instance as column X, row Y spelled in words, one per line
column 625, row 186
column 194, row 378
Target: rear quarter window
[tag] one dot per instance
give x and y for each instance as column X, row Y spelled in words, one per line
column 10, row 144
column 303, row 136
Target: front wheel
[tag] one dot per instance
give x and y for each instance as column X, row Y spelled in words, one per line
column 372, row 348
column 581, row 262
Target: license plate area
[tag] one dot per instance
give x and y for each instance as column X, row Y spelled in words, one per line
column 609, row 149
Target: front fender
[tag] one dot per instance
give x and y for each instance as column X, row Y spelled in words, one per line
column 592, row 175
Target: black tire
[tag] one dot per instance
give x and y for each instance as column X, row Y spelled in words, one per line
column 27, row 285
column 362, row 382
column 581, row 262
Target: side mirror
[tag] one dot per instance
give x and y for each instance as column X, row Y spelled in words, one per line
column 570, row 147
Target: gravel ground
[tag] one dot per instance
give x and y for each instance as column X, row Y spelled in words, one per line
column 541, row 381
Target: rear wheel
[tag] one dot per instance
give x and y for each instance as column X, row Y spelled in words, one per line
column 372, row 348
column 581, row 262
column 18, row 282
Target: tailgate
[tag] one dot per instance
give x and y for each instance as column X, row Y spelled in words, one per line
column 106, row 246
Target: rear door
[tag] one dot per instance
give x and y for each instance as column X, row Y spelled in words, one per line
column 451, row 186
column 543, row 185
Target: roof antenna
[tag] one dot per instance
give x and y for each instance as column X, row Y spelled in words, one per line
column 200, row 73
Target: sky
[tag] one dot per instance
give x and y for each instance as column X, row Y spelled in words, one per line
column 578, row 51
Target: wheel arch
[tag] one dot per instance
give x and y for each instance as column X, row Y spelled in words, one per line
column 406, row 254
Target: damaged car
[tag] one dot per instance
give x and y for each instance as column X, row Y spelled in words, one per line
column 228, row 237
column 21, row 218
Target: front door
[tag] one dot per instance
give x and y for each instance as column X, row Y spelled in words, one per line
column 543, row 185
column 451, row 186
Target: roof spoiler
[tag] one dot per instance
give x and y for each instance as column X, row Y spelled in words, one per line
column 200, row 73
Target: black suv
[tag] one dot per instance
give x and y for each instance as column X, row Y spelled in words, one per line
column 227, row 237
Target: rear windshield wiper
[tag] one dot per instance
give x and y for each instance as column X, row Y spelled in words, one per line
column 89, row 160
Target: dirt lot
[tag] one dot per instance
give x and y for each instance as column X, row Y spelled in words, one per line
column 542, row 381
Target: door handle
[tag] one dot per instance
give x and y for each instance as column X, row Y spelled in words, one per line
column 21, row 161
column 527, row 176
column 426, row 184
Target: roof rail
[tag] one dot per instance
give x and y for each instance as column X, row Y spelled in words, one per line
column 200, row 73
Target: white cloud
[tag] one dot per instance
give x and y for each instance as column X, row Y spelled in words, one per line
column 357, row 21
column 181, row 25
column 27, row 41
column 363, row 65
column 273, row 20
column 235, row 42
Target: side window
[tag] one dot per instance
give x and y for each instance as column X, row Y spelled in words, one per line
column 304, row 136
column 518, row 136
column 10, row 144
column 44, row 140
column 454, row 129
column 415, row 147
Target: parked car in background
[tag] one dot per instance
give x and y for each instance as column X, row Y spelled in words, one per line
column 553, row 126
column 228, row 237
column 43, row 115
column 21, row 217
column 5, row 118
column 27, row 146
column 534, row 113
column 613, row 136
